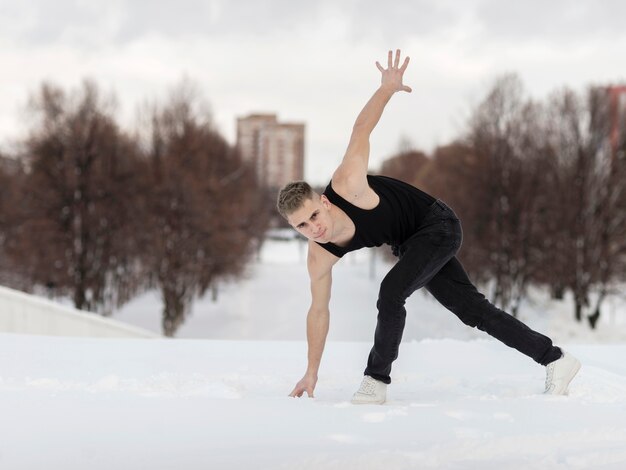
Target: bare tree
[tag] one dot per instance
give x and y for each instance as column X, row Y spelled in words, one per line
column 406, row 165
column 201, row 208
column 10, row 175
column 74, row 233
column 588, row 194
column 507, row 141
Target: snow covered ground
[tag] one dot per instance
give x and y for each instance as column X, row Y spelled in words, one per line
column 458, row 399
column 72, row 403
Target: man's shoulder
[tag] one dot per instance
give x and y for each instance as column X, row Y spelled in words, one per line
column 318, row 253
column 320, row 260
column 344, row 182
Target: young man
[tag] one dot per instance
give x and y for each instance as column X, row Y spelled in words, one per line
column 356, row 211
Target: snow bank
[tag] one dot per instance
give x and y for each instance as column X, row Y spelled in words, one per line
column 29, row 314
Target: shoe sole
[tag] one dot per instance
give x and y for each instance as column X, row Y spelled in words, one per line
column 367, row 402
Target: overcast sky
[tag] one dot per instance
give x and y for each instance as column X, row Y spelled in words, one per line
column 310, row 61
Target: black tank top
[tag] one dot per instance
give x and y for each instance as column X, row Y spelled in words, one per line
column 396, row 217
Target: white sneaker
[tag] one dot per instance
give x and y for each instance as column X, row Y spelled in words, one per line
column 560, row 373
column 371, row 392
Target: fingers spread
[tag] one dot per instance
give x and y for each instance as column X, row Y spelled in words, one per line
column 405, row 64
column 380, row 67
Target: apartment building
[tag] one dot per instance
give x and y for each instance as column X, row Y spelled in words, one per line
column 275, row 148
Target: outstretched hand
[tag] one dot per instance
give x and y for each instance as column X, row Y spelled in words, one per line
column 392, row 75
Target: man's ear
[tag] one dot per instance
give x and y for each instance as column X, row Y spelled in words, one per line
column 325, row 202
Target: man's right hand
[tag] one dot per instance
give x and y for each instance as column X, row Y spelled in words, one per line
column 307, row 384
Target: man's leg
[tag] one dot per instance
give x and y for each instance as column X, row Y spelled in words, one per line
column 453, row 289
column 421, row 258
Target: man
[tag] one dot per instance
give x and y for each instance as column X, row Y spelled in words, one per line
column 356, row 211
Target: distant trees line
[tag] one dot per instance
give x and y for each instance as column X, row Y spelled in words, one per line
column 99, row 213
column 541, row 188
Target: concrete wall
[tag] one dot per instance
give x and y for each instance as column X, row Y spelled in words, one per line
column 28, row 314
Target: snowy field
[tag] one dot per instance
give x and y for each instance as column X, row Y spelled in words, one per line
column 458, row 399
column 196, row 404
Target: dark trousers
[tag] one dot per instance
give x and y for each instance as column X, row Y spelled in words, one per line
column 427, row 259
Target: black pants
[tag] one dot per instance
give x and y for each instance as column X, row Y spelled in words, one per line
column 427, row 259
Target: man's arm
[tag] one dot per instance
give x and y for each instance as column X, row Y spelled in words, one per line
column 351, row 174
column 319, row 263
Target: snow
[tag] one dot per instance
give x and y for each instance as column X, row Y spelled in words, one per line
column 195, row 404
column 216, row 397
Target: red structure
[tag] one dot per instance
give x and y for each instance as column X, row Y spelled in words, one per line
column 614, row 95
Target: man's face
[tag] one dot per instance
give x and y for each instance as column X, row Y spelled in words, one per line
column 312, row 219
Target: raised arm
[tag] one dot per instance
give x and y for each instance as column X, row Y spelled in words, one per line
column 319, row 264
column 352, row 172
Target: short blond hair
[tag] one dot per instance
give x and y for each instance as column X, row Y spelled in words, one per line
column 292, row 196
